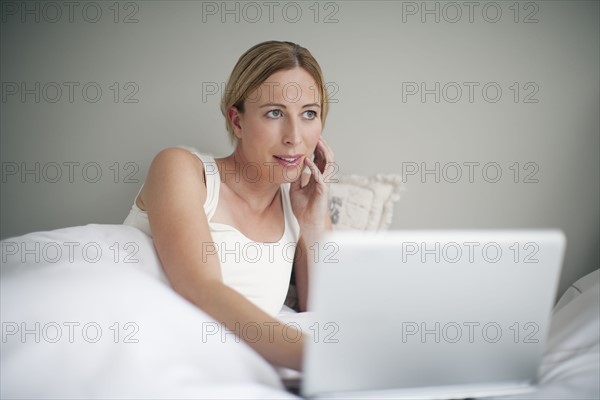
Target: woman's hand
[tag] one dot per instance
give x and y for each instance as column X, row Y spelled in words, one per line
column 309, row 202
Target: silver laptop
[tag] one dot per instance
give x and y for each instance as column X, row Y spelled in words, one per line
column 430, row 314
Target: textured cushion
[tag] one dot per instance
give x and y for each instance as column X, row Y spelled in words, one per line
column 361, row 203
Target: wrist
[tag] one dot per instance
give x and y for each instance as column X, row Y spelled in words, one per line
column 312, row 234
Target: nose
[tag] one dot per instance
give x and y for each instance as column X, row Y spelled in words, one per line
column 292, row 135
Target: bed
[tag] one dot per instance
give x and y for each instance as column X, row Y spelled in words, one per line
column 87, row 312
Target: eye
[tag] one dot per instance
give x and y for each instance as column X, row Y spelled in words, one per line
column 311, row 114
column 275, row 113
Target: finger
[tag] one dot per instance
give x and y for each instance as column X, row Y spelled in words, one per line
column 320, row 157
column 296, row 185
column 326, row 149
column 329, row 168
column 316, row 174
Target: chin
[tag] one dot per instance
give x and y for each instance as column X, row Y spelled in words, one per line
column 288, row 175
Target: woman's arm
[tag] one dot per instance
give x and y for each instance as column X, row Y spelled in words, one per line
column 309, row 197
column 174, row 196
column 303, row 255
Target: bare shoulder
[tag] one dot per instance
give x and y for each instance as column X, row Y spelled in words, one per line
column 174, row 197
column 177, row 157
column 173, row 168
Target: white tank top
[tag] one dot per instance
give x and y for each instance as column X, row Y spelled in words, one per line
column 259, row 271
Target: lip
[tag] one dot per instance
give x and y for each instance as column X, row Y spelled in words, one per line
column 288, row 160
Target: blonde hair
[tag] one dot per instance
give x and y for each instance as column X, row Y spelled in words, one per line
column 261, row 61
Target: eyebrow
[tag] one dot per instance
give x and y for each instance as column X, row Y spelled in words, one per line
column 283, row 106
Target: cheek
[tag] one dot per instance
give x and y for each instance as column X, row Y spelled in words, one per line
column 257, row 128
column 314, row 133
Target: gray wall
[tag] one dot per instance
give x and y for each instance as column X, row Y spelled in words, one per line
column 532, row 114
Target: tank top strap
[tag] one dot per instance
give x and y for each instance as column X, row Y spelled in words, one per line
column 136, row 197
column 213, row 183
column 292, row 227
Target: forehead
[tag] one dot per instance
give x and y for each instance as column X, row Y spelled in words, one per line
column 294, row 86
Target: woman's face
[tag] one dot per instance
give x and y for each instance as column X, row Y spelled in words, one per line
column 280, row 126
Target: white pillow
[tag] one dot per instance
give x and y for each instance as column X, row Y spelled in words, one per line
column 362, row 203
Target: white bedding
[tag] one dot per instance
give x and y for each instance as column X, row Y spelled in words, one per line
column 171, row 358
column 109, row 274
column 570, row 368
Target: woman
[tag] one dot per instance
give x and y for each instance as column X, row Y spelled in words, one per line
column 224, row 228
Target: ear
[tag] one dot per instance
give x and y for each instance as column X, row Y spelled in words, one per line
column 234, row 116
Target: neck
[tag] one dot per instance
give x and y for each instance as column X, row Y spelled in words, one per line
column 248, row 180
